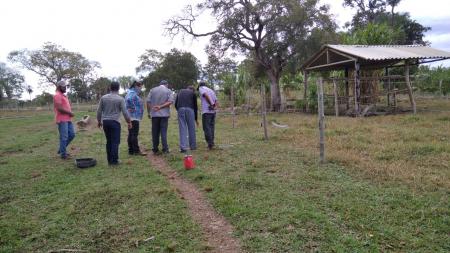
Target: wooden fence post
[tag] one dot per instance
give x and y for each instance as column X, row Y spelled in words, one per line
column 336, row 99
column 232, row 105
column 321, row 122
column 263, row 111
column 347, row 89
column 305, row 93
column 410, row 90
column 357, row 89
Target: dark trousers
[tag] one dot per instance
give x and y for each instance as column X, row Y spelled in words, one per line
column 209, row 122
column 133, row 132
column 159, row 127
column 112, row 133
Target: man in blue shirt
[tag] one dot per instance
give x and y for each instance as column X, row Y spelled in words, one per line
column 135, row 108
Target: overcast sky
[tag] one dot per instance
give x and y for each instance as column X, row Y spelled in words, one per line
column 116, row 32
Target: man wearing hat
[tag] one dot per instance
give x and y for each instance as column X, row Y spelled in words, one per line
column 159, row 100
column 135, row 108
column 63, row 118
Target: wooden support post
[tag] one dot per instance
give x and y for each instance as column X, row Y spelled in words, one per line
column 357, row 89
column 263, row 111
column 248, row 101
column 321, row 122
column 232, row 106
column 410, row 90
column 387, row 85
column 440, row 88
column 347, row 89
column 305, row 92
column 336, row 98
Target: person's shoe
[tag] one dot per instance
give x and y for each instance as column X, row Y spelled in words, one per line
column 166, row 152
column 114, row 164
column 140, row 153
column 183, row 151
column 66, row 157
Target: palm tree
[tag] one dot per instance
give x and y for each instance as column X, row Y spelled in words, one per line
column 29, row 90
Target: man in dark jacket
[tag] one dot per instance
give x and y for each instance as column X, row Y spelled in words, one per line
column 186, row 105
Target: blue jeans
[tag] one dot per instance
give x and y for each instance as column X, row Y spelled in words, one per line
column 112, row 133
column 209, row 123
column 66, row 135
column 159, row 127
column 186, row 125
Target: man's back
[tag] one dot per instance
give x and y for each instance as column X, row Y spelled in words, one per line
column 186, row 98
column 211, row 94
column 158, row 96
column 110, row 107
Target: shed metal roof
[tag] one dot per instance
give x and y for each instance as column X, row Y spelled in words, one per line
column 399, row 52
column 339, row 56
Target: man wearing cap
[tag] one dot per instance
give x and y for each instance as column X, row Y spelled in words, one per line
column 108, row 116
column 209, row 104
column 159, row 100
column 63, row 118
column 135, row 108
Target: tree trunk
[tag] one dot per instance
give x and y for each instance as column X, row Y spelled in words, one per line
column 275, row 101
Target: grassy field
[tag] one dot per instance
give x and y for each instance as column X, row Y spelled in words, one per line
column 48, row 204
column 385, row 187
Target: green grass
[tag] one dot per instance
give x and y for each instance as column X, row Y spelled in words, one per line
column 48, row 204
column 385, row 187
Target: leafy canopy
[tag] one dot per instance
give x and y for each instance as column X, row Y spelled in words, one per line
column 54, row 63
column 11, row 82
column 273, row 32
column 177, row 67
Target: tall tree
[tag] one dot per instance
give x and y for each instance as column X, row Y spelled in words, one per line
column 393, row 4
column 373, row 34
column 53, row 63
column 43, row 99
column 178, row 67
column 11, row 82
column 271, row 31
column 29, row 90
column 100, row 87
column 79, row 89
column 149, row 61
column 366, row 11
column 218, row 67
column 374, row 12
column 125, row 81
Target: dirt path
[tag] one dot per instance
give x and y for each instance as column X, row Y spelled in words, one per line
column 216, row 229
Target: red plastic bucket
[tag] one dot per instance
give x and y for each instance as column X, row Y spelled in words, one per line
column 189, row 162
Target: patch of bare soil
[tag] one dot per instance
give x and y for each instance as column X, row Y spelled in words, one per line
column 216, row 229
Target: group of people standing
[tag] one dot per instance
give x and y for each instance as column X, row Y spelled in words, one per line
column 158, row 103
